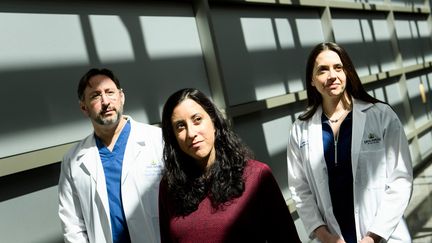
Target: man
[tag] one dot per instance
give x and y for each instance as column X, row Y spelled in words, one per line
column 109, row 182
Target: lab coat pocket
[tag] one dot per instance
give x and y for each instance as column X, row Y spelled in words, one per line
column 147, row 178
column 152, row 178
column 372, row 168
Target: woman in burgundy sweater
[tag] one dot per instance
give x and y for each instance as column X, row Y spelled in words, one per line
column 211, row 190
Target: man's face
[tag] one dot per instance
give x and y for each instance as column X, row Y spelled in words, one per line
column 103, row 101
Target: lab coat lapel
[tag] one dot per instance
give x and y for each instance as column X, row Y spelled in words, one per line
column 88, row 157
column 92, row 165
column 134, row 147
column 358, row 126
column 316, row 149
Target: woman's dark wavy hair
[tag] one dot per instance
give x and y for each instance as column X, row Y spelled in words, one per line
column 187, row 184
column 354, row 86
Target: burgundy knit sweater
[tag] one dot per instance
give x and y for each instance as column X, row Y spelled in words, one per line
column 260, row 214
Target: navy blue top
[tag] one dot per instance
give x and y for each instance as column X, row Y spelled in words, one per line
column 340, row 177
column 112, row 163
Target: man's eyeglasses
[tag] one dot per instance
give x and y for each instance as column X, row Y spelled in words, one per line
column 110, row 94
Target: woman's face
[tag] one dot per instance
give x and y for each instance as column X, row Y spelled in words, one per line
column 328, row 75
column 194, row 131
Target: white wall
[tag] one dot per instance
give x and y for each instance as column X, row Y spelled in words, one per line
column 31, row 218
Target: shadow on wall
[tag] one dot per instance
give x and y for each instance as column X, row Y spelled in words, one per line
column 419, row 210
column 418, row 219
column 44, row 58
column 46, row 47
column 271, row 48
column 266, row 133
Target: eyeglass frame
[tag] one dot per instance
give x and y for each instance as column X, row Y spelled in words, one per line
column 111, row 95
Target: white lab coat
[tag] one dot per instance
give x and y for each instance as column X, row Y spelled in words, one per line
column 381, row 165
column 83, row 200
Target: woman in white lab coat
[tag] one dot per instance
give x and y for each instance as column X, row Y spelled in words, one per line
column 349, row 166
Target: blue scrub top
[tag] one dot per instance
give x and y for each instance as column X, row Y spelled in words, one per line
column 112, row 162
column 340, row 176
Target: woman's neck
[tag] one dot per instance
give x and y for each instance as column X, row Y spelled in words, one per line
column 337, row 105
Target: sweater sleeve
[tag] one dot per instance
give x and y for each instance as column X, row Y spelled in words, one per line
column 278, row 223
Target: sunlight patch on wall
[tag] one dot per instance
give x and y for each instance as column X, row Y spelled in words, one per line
column 166, row 37
column 413, row 35
column 276, row 135
column 295, row 85
column 43, row 137
column 372, row 31
column 258, row 34
column 378, row 93
column 425, row 32
column 425, row 141
column 366, row 30
column 284, row 33
column 406, row 29
column 393, row 94
column 112, row 39
column 407, row 33
column 423, row 27
column 310, row 31
column 350, row 30
column 381, row 30
column 25, row 212
column 270, row 89
column 41, row 40
column 420, row 110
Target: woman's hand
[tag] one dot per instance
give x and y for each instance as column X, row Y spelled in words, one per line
column 325, row 236
column 371, row 238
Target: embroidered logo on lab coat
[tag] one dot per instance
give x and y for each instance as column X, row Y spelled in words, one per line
column 153, row 168
column 372, row 139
